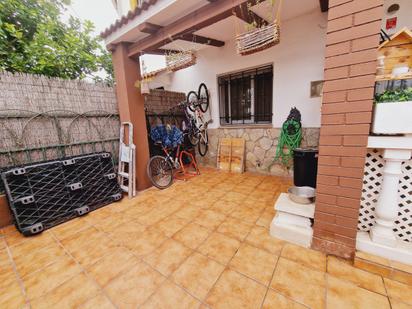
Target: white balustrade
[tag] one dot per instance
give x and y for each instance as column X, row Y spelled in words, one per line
column 381, row 239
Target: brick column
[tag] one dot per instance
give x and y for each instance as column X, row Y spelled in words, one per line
column 350, row 66
column 131, row 107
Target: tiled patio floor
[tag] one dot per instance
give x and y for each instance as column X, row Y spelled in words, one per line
column 204, row 243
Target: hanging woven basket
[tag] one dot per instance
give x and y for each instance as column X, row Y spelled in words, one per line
column 180, row 60
column 258, row 39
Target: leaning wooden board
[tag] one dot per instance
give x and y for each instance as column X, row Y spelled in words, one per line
column 231, row 155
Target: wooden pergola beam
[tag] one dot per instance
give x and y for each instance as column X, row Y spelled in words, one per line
column 249, row 16
column 201, row 18
column 324, row 5
column 150, row 28
column 194, row 38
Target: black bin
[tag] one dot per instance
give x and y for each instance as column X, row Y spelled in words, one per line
column 305, row 167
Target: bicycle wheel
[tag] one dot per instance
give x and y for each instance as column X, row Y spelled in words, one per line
column 160, row 172
column 203, row 145
column 192, row 100
column 203, row 96
column 193, row 137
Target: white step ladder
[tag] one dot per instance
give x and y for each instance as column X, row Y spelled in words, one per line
column 127, row 160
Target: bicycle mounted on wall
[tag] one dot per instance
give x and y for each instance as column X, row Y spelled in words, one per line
column 173, row 140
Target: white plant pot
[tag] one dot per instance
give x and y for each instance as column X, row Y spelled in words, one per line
column 392, row 118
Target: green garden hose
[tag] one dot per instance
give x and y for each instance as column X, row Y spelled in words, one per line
column 290, row 139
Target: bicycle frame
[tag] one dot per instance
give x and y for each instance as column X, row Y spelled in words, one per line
column 173, row 160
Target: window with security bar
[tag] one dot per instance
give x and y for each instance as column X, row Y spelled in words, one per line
column 246, row 97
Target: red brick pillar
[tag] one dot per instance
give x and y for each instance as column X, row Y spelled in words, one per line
column 131, row 107
column 350, row 66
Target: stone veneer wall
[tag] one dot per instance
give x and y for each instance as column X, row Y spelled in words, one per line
column 261, row 146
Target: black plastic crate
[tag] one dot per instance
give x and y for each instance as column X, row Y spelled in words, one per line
column 46, row 194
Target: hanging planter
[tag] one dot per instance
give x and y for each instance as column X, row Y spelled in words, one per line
column 180, row 60
column 259, row 38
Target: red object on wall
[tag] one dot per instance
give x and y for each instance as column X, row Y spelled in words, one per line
column 391, row 23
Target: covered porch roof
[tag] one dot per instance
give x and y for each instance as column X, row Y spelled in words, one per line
column 163, row 25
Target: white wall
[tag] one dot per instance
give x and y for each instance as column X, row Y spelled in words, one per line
column 297, row 60
column 404, row 15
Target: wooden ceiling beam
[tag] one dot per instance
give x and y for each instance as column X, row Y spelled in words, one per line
column 244, row 13
column 150, row 28
column 194, row 38
column 324, row 5
column 196, row 20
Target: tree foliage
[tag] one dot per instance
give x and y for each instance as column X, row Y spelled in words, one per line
column 34, row 39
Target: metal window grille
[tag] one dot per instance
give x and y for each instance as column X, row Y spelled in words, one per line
column 246, row 97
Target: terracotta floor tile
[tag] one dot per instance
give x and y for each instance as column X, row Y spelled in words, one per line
column 234, row 197
column 400, row 266
column 219, row 247
column 266, row 219
column 126, row 231
column 260, row 237
column 234, row 228
column 170, row 225
column 203, row 203
column 342, row 270
column 70, row 294
column 372, row 258
column 399, row 291
column 210, row 219
column 236, row 291
column 90, row 252
column 275, row 300
column 192, row 235
column 302, row 284
column 118, row 261
column 146, row 243
column 38, row 259
column 197, row 274
column 255, row 263
column 401, row 276
column 224, row 207
column 100, row 301
column 246, row 214
column 396, row 304
column 343, row 294
column 20, row 244
column 7, row 276
column 188, row 213
column 168, row 257
column 41, row 282
column 112, row 223
column 151, row 217
column 69, row 228
column 138, row 210
column 11, row 296
column 170, row 296
column 134, row 287
column 307, row 257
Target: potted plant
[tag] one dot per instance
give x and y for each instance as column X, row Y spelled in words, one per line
column 393, row 112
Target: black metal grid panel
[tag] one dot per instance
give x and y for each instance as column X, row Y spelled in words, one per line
column 49, row 193
column 38, row 195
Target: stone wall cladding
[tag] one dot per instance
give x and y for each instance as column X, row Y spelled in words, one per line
column 261, row 146
column 350, row 64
